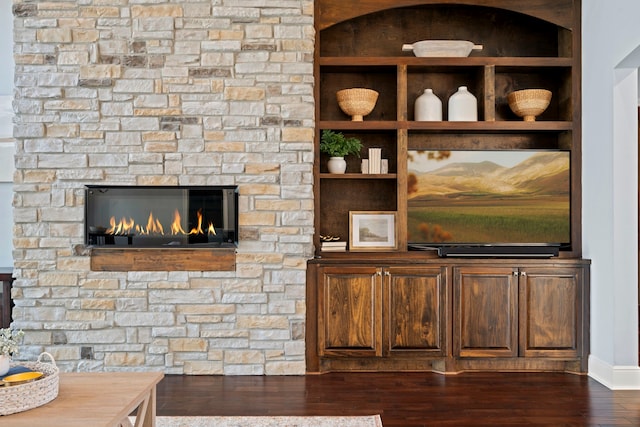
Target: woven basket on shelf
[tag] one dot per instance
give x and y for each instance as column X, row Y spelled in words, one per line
column 357, row 102
column 22, row 397
column 529, row 103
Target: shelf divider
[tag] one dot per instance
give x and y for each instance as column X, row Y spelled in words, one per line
column 490, row 93
column 402, row 93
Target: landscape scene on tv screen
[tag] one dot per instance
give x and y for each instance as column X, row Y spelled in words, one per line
column 489, row 197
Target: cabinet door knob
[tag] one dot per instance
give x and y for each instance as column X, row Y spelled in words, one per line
column 515, row 273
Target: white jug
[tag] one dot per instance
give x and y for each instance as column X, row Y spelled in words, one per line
column 428, row 107
column 463, row 106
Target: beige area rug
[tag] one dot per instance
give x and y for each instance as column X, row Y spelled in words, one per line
column 280, row 421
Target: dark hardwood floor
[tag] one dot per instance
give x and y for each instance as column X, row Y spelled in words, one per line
column 408, row 399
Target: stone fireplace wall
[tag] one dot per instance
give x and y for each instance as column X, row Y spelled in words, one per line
column 159, row 92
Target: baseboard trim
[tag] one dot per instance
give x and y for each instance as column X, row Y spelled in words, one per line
column 614, row 377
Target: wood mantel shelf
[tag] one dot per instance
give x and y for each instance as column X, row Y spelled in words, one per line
column 159, row 259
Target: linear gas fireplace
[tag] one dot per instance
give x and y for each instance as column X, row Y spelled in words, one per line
column 161, row 217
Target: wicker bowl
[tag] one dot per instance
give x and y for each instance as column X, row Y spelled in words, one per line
column 357, row 102
column 22, row 397
column 529, row 103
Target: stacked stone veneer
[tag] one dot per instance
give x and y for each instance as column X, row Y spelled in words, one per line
column 158, row 92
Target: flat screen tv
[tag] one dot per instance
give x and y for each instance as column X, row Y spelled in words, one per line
column 489, row 202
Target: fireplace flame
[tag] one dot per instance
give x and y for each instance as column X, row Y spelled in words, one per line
column 198, row 229
column 154, row 226
column 176, row 228
column 123, row 227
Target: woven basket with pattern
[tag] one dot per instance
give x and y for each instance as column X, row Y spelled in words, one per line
column 22, row 397
column 357, row 102
column 529, row 103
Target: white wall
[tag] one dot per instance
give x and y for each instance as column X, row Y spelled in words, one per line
column 610, row 216
column 7, row 146
column 6, row 48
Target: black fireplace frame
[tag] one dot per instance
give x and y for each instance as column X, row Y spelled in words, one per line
column 95, row 237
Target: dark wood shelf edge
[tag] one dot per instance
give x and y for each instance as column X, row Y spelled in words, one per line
column 364, row 126
column 490, row 126
column 471, row 61
column 358, row 175
column 431, row 257
column 446, row 126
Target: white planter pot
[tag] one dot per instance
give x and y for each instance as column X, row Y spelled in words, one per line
column 337, row 165
column 5, row 364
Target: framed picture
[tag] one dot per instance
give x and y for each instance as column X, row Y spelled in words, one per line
column 371, row 230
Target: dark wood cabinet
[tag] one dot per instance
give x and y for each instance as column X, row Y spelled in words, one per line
column 447, row 315
column 6, row 303
column 376, row 311
column 512, row 311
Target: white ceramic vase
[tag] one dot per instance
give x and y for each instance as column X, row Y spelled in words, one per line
column 5, row 364
column 337, row 165
column 428, row 107
column 463, row 106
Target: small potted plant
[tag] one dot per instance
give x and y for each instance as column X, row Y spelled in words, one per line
column 336, row 145
column 8, row 347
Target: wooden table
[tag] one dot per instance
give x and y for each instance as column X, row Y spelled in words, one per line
column 97, row 399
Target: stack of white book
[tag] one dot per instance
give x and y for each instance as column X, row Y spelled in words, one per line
column 375, row 157
column 375, row 164
column 334, row 246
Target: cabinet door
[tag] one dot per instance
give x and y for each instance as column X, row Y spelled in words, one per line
column 350, row 311
column 417, row 303
column 550, row 312
column 485, row 312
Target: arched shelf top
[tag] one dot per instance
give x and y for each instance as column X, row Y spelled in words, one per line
column 557, row 12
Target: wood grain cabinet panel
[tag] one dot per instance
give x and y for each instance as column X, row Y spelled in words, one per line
column 550, row 312
column 350, row 311
column 485, row 312
column 416, row 309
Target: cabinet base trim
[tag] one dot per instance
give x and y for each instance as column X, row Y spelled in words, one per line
column 449, row 366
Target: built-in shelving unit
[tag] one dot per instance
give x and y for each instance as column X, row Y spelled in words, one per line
column 525, row 45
